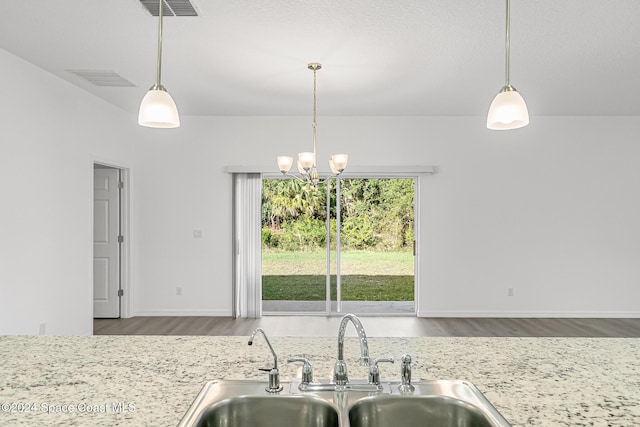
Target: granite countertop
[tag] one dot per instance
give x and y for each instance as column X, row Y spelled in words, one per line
column 152, row 380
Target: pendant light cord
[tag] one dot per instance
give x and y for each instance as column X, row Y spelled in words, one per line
column 507, row 46
column 159, row 69
column 315, row 124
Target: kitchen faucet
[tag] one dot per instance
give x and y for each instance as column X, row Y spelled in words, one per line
column 340, row 376
column 274, row 375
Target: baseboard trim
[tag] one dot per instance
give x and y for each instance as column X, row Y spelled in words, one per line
column 534, row 314
column 185, row 313
column 428, row 313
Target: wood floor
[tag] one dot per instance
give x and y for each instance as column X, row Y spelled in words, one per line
column 322, row 326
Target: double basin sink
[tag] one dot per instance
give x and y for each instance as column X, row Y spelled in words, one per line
column 431, row 403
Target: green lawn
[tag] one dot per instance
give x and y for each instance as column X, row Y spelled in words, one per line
column 353, row 262
column 366, row 276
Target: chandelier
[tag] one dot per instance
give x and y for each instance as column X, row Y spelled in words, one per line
column 307, row 168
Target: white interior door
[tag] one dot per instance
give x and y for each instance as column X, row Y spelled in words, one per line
column 106, row 248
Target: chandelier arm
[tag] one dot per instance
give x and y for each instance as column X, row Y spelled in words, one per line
column 295, row 176
column 307, row 179
column 335, row 175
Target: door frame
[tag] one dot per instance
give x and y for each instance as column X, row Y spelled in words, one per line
column 416, row 176
column 126, row 300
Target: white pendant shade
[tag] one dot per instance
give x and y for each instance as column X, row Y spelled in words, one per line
column 157, row 110
column 339, row 161
column 284, row 163
column 507, row 111
column 307, row 160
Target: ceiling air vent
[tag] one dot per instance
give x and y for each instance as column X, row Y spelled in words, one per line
column 103, row 78
column 171, row 7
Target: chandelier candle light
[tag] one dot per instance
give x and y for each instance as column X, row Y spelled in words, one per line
column 508, row 109
column 307, row 160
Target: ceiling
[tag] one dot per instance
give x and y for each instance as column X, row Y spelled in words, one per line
column 379, row 57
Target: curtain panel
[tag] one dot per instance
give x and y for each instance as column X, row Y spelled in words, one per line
column 247, row 245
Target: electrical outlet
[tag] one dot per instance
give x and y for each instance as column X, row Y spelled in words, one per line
column 197, row 234
column 43, row 328
column 179, row 290
column 509, row 292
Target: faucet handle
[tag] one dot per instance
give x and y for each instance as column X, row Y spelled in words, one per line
column 375, row 362
column 307, row 370
column 374, row 370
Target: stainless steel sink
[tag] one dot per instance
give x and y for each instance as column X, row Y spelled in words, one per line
column 438, row 411
column 445, row 403
column 435, row 403
column 246, row 403
column 284, row 411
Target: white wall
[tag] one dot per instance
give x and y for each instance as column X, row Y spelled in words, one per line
column 51, row 134
column 550, row 210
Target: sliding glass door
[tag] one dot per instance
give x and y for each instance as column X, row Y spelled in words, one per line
column 346, row 246
column 376, row 236
column 294, row 264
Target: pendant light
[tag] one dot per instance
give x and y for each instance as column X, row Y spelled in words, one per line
column 307, row 160
column 508, row 109
column 157, row 109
